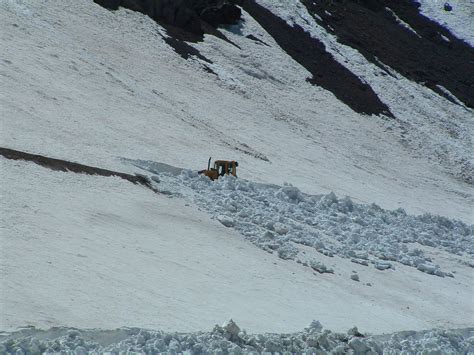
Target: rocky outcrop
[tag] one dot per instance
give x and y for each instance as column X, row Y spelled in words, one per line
column 189, row 15
column 311, row 54
column 417, row 48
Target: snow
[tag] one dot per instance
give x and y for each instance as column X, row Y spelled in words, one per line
column 105, row 103
column 225, row 220
column 94, row 252
column 274, row 218
column 355, row 277
column 401, row 22
column 119, row 255
column 458, row 20
column 230, row 339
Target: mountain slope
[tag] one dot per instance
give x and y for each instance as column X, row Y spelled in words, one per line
column 114, row 89
column 92, row 95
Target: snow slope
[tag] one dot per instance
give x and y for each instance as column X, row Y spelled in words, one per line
column 100, row 252
column 458, row 20
column 103, row 88
column 115, row 89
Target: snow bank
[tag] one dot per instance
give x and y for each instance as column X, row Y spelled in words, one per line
column 281, row 218
column 230, row 339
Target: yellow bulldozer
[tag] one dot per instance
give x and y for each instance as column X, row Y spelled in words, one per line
column 221, row 168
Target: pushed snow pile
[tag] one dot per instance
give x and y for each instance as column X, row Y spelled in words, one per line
column 279, row 219
column 230, row 339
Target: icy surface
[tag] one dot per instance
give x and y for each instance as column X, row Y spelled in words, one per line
column 230, row 339
column 278, row 218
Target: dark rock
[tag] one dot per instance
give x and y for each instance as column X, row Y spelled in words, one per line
column 226, row 14
column 311, row 54
column 188, row 15
column 425, row 57
column 109, row 4
column 447, row 7
column 374, row 5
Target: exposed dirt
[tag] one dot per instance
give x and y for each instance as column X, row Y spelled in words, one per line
column 67, row 166
column 312, row 55
column 425, row 56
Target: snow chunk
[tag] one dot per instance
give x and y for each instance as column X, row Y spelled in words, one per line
column 226, row 220
column 431, row 269
column 280, row 228
column 290, row 193
column 355, row 277
column 382, row 265
column 231, row 329
column 320, row 267
column 315, row 326
column 229, row 339
column 358, row 346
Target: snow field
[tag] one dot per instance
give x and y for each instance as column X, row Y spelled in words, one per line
column 117, row 255
column 106, row 102
column 278, row 218
column 230, row 339
column 91, row 252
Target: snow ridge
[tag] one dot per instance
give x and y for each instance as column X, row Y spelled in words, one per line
column 281, row 219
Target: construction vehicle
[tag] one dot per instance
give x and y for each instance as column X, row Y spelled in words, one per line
column 221, row 168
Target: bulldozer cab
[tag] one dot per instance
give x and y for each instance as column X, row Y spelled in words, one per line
column 220, row 168
column 224, row 167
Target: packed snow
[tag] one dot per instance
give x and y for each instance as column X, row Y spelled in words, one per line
column 230, row 339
